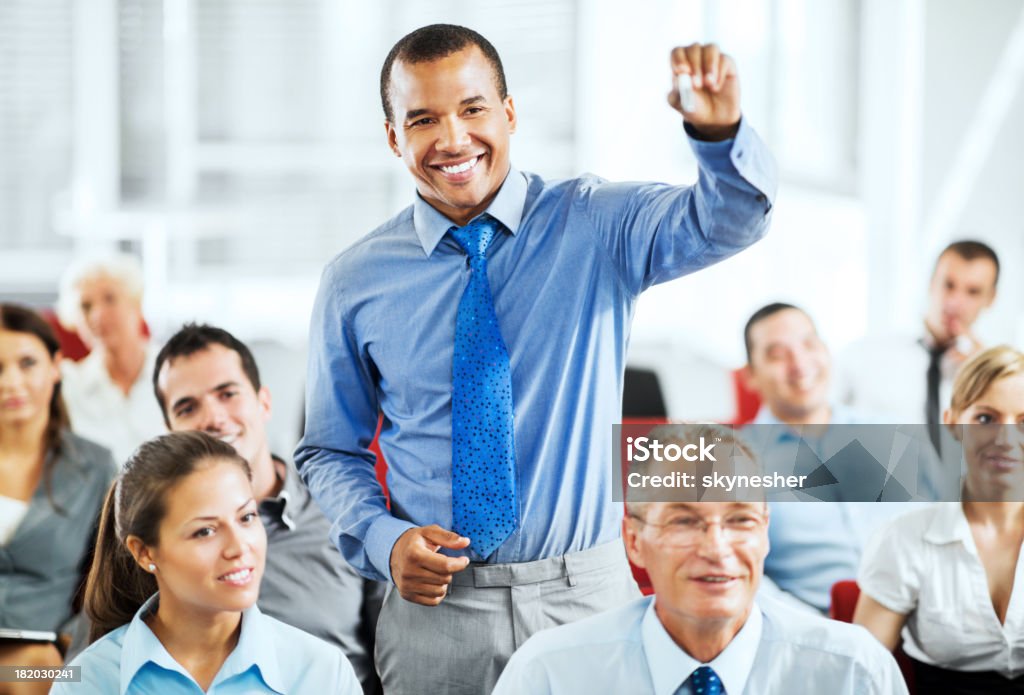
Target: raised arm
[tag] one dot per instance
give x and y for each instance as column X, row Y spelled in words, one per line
column 657, row 232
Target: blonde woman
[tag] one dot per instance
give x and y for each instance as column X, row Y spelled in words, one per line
column 108, row 394
column 945, row 576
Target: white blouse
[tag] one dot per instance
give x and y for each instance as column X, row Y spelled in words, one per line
column 12, row 511
column 100, row 411
column 925, row 565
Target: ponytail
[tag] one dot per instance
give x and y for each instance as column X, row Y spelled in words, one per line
column 117, row 587
column 135, row 505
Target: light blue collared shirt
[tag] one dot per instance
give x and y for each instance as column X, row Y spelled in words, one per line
column 670, row 667
column 815, row 544
column 270, row 657
column 565, row 279
column 778, row 650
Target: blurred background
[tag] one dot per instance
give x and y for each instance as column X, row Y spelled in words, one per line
column 235, row 146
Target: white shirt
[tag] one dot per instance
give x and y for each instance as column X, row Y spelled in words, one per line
column 888, row 375
column 627, row 650
column 925, row 565
column 814, row 545
column 12, row 511
column 100, row 411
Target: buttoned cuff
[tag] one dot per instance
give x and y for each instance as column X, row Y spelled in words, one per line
column 745, row 153
column 380, row 541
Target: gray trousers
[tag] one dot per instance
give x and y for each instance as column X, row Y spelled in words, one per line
column 461, row 646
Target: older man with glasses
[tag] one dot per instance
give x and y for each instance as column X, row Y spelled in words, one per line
column 702, row 632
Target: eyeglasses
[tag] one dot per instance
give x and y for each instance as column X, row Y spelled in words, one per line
column 688, row 529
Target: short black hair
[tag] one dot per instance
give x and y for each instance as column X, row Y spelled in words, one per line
column 433, row 43
column 971, row 250
column 760, row 315
column 193, row 338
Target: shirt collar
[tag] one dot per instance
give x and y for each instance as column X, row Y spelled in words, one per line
column 93, row 369
column 279, row 506
column 949, row 525
column 507, row 207
column 840, row 415
column 141, row 647
column 255, row 648
column 928, row 342
column 670, row 665
column 92, row 365
column 765, row 416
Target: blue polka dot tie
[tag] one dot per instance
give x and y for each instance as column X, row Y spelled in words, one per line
column 483, row 441
column 704, row 681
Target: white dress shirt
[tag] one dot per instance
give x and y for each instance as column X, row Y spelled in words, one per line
column 925, row 565
column 816, row 544
column 100, row 411
column 627, row 650
column 888, row 376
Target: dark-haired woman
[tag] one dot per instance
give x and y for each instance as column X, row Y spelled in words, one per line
column 51, row 488
column 174, row 581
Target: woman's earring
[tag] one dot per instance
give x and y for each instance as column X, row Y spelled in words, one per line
column 152, row 567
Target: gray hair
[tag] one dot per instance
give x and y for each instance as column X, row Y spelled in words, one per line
column 123, row 268
column 738, row 456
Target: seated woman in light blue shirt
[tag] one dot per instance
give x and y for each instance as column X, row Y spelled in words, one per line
column 172, row 591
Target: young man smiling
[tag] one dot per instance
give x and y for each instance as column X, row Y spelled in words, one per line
column 487, row 324
column 813, row 545
column 206, row 379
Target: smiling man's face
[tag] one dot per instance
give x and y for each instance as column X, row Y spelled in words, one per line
column 209, row 391
column 451, row 128
column 706, row 578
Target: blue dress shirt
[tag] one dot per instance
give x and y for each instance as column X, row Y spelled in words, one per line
column 815, row 544
column 270, row 657
column 565, row 275
column 627, row 650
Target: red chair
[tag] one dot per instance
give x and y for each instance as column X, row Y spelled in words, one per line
column 747, row 401
column 844, row 601
column 639, row 574
column 71, row 345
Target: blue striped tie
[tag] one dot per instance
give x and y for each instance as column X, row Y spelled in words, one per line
column 483, row 442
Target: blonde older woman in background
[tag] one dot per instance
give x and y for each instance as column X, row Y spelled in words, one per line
column 108, row 394
column 949, row 576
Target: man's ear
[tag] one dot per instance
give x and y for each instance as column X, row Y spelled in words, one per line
column 630, row 538
column 263, row 395
column 392, row 137
column 746, row 376
column 510, row 113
